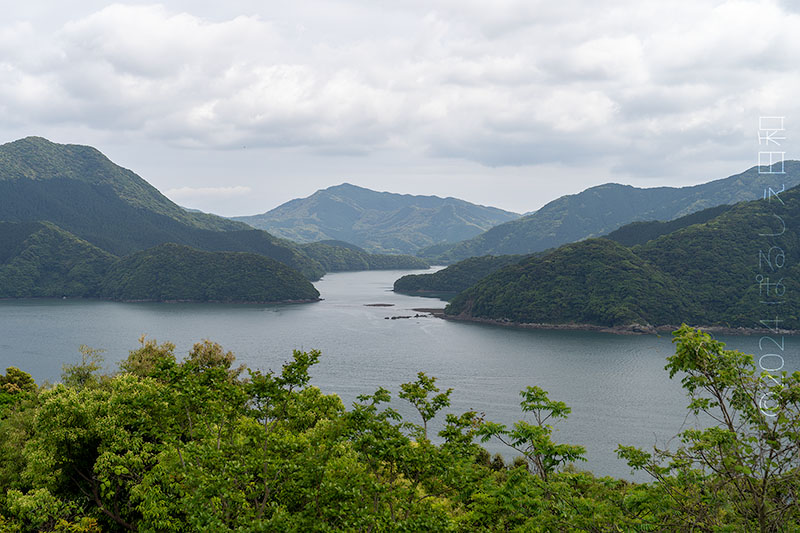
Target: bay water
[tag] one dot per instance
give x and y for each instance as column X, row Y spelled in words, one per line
column 616, row 385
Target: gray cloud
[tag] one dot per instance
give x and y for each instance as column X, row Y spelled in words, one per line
column 634, row 88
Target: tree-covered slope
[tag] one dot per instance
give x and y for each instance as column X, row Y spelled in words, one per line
column 593, row 282
column 599, row 210
column 37, row 159
column 642, row 232
column 171, row 272
column 337, row 256
column 38, row 259
column 379, row 222
column 81, row 191
column 706, row 274
column 456, row 277
column 41, row 260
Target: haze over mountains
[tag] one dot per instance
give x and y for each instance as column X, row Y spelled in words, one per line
column 379, row 222
column 604, row 208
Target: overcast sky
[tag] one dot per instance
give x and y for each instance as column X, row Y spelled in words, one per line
column 235, row 107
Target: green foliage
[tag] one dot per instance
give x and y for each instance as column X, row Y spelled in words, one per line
column 192, row 445
column 543, row 456
column 599, row 210
column 742, row 470
column 416, row 393
column 84, row 373
column 456, row 277
column 381, row 222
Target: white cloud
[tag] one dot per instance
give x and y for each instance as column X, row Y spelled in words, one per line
column 513, row 82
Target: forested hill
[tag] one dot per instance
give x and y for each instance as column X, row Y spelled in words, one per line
column 456, row 277
column 703, row 274
column 171, row 272
column 599, row 210
column 642, row 232
column 379, row 222
column 50, row 165
column 78, row 189
column 337, row 256
column 41, row 260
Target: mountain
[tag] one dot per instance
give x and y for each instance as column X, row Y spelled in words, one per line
column 642, row 232
column 81, row 191
column 456, row 277
column 379, row 222
column 39, row 259
column 713, row 273
column 170, row 272
column 599, row 210
column 337, row 256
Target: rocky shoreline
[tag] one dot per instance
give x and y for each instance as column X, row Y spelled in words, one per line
column 630, row 329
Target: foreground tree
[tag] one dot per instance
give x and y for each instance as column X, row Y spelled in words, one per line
column 741, row 468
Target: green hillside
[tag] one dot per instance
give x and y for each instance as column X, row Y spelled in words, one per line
column 379, row 222
column 81, row 191
column 337, row 256
column 703, row 274
column 602, row 209
column 38, row 259
column 41, row 260
column 642, row 232
column 456, row 277
column 172, row 272
column 39, row 160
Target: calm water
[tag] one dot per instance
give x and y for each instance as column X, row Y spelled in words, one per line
column 616, row 385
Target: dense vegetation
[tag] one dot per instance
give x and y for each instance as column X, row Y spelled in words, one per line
column 599, row 210
column 172, row 272
column 199, row 445
column 337, row 256
column 456, row 277
column 380, row 222
column 705, row 274
column 38, row 259
column 592, row 282
column 642, row 232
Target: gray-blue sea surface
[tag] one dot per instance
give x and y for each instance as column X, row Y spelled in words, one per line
column 616, row 385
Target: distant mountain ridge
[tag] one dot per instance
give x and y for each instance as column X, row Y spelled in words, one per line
column 379, row 222
column 604, row 208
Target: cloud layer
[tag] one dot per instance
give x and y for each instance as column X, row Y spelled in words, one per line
column 620, row 85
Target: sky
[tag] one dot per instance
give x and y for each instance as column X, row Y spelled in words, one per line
column 236, row 107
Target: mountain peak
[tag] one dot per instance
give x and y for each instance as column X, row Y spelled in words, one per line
column 383, row 222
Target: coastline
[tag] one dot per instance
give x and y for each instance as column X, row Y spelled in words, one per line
column 630, row 329
column 188, row 301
